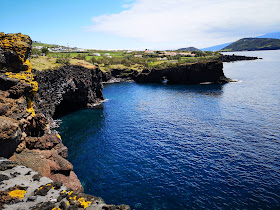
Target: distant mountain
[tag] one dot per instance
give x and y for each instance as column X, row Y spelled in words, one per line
column 252, row 44
column 216, row 47
column 275, row 35
column 189, row 49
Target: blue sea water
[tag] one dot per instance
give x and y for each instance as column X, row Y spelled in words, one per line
column 158, row 146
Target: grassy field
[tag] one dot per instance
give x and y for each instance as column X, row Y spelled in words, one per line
column 43, row 63
column 88, row 55
column 44, row 45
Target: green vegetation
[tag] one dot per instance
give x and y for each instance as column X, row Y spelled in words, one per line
column 45, row 50
column 43, row 63
column 252, row 44
column 44, row 45
column 56, row 56
column 189, row 49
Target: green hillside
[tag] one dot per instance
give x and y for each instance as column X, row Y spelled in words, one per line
column 252, row 44
column 189, row 49
column 45, row 45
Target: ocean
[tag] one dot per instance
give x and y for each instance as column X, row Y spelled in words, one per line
column 160, row 146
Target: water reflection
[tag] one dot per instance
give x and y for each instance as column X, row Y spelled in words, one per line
column 214, row 90
column 87, row 122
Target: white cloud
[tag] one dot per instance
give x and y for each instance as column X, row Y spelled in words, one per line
column 198, row 22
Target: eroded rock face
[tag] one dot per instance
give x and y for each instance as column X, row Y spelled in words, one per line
column 23, row 188
column 186, row 74
column 14, row 51
column 67, row 89
column 25, row 135
column 50, row 164
column 10, row 136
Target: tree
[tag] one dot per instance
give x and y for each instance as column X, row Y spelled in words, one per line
column 45, row 50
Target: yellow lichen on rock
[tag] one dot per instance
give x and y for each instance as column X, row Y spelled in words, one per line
column 17, row 194
column 84, row 203
column 16, row 49
column 28, row 65
column 18, row 43
column 26, row 77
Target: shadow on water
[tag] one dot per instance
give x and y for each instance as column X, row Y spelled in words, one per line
column 214, row 90
column 77, row 127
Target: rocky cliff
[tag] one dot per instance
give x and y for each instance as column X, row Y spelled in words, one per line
column 23, row 188
column 186, row 74
column 67, row 89
column 231, row 58
column 29, row 100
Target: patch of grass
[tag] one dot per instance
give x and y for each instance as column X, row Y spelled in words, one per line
column 82, row 63
column 44, row 45
column 43, row 63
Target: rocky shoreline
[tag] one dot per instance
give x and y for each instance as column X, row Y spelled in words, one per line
column 192, row 73
column 23, row 188
column 232, row 58
column 29, row 101
column 211, row 72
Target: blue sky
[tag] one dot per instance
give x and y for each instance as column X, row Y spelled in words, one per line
column 139, row 24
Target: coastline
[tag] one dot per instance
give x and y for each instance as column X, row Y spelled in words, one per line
column 31, row 100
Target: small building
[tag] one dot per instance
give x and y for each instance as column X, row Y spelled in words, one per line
column 162, row 59
column 149, row 52
column 187, row 54
column 96, row 54
column 170, row 53
column 107, row 54
column 38, row 47
column 138, row 56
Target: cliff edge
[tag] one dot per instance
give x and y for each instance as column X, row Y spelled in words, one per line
column 28, row 102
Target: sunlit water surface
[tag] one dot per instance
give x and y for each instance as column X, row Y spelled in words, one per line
column 156, row 146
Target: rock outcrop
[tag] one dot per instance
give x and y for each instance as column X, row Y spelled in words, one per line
column 23, row 188
column 231, row 58
column 186, row 74
column 67, row 89
column 28, row 102
column 14, row 51
column 25, row 134
column 119, row 75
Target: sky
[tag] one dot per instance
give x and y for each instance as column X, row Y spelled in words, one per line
column 139, row 24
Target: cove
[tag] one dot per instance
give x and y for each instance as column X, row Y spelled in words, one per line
column 156, row 146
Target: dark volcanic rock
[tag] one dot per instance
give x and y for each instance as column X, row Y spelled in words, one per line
column 10, row 136
column 14, row 50
column 231, row 58
column 67, row 89
column 26, row 123
column 119, row 75
column 29, row 190
column 50, row 164
column 186, row 74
